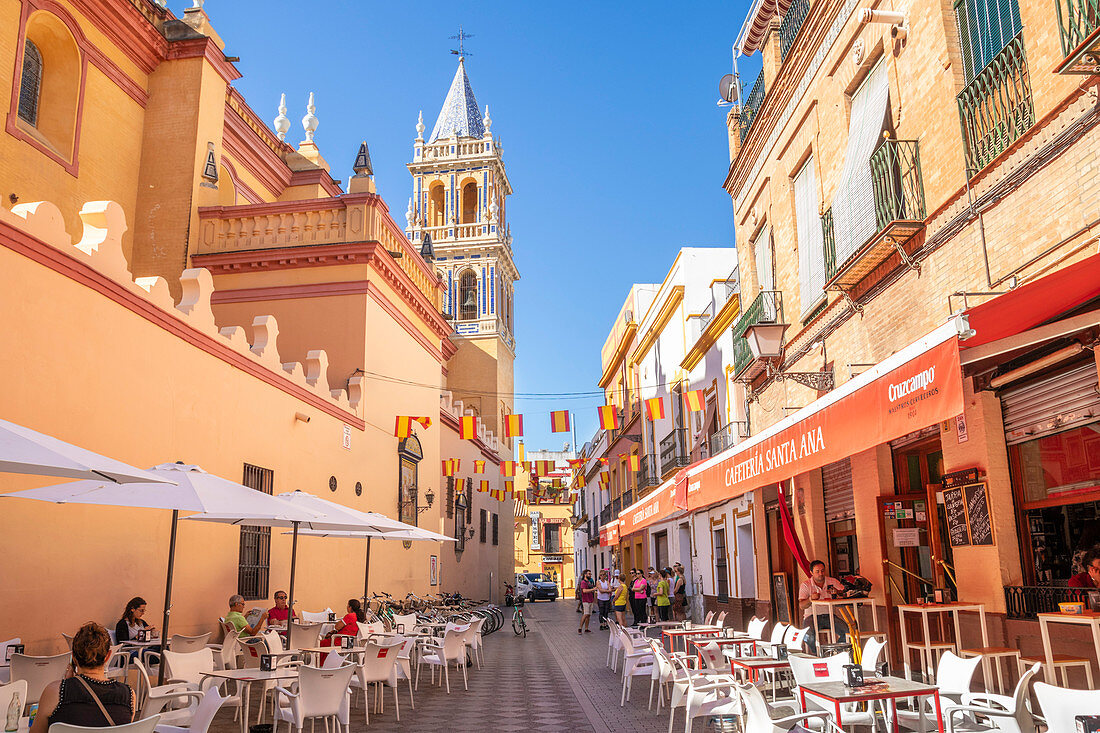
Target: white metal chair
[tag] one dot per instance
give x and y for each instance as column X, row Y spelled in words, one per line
column 182, row 644
column 321, row 693
column 758, row 716
column 1007, row 714
column 441, row 652
column 954, row 676
column 4, row 676
column 10, row 690
column 1061, row 706
column 202, row 714
column 377, row 668
column 146, row 725
column 38, row 672
column 152, row 700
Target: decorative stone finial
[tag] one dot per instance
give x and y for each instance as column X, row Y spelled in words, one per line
column 420, row 126
column 409, row 215
column 310, row 121
column 493, row 210
column 197, row 4
column 362, row 165
column 488, row 120
column 282, row 122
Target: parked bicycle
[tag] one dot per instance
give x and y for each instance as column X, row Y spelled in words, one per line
column 519, row 623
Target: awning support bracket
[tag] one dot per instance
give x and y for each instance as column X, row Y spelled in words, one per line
column 905, row 259
column 856, row 307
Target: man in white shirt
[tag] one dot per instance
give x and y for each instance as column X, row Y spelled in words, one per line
column 819, row 587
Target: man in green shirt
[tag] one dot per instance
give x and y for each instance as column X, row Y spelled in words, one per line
column 236, row 617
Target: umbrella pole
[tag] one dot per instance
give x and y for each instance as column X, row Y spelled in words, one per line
column 366, row 579
column 293, row 563
column 168, row 594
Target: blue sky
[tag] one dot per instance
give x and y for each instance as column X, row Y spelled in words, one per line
column 612, row 140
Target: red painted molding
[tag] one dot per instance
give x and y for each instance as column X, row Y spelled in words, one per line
column 34, row 249
column 450, row 348
column 253, row 121
column 317, row 176
column 207, row 49
column 128, row 29
column 451, row 421
column 241, row 141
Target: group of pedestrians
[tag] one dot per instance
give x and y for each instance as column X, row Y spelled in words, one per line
column 652, row 596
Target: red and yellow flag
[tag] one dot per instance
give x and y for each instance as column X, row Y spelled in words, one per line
column 479, row 466
column 544, row 468
column 513, row 426
column 609, row 417
column 655, row 408
column 634, row 462
column 559, row 421
column 467, row 427
column 403, row 425
column 484, row 486
column 695, row 400
column 497, row 494
column 507, row 468
column 460, row 484
column 450, row 466
column 603, row 460
column 605, row 477
column 576, row 462
column 556, row 483
column 508, row 486
column 581, row 481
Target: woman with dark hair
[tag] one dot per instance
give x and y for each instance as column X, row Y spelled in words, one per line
column 86, row 696
column 348, row 625
column 132, row 621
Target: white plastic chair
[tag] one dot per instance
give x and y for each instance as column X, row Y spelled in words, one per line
column 758, row 716
column 754, row 632
column 1061, row 706
column 614, row 645
column 182, row 644
column 403, row 669
column 376, row 668
column 321, row 693
column 721, row 620
column 19, row 687
column 404, row 623
column 708, row 618
column 665, row 673
column 202, row 714
column 189, row 668
column 767, row 648
column 802, row 667
column 225, row 654
column 1007, row 714
column 38, row 672
column 475, row 639
column 441, row 652
column 954, row 676
column 705, row 696
column 713, row 658
column 638, row 661
column 872, row 651
column 319, row 617
column 118, row 663
column 4, row 677
column 305, row 636
column 152, row 700
column 146, row 725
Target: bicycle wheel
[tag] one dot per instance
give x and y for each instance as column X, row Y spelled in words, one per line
column 523, row 625
column 518, row 627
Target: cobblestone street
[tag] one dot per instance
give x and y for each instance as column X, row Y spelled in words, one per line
column 553, row 680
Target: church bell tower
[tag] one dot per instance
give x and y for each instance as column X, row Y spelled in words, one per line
column 457, row 216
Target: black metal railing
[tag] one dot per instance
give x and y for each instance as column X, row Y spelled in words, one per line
column 674, row 453
column 996, row 108
column 1024, row 601
column 606, row 517
column 791, row 24
column 897, row 182
column 649, row 475
column 767, row 308
column 728, row 435
column 751, row 106
column 829, row 243
column 1077, row 19
column 616, row 506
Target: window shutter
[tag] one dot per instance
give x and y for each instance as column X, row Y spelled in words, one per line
column 811, row 240
column 854, row 203
column 762, row 249
column 985, row 28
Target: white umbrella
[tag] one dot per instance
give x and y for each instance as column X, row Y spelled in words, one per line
column 23, row 450
column 183, row 488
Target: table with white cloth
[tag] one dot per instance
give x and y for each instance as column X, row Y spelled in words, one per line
column 248, row 677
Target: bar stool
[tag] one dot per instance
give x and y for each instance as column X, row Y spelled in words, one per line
column 1063, row 663
column 994, row 654
column 929, row 654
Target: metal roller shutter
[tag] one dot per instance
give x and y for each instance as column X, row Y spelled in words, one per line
column 836, row 481
column 1063, row 401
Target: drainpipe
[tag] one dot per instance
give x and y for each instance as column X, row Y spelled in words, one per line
column 981, row 231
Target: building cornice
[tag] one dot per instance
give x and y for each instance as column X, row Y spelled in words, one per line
column 664, row 315
column 205, row 48
column 722, row 320
column 241, row 142
column 128, row 29
column 621, row 348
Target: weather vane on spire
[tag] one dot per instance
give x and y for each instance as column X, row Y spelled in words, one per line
column 460, row 37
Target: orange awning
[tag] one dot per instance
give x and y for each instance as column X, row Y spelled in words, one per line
column 609, row 534
column 650, row 509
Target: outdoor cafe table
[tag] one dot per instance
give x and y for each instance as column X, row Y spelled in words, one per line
column 674, row 634
column 926, row 648
column 829, row 606
column 1088, row 618
column 249, row 676
column 751, row 666
column 839, row 693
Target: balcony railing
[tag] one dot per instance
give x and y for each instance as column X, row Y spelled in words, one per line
column 606, row 517
column 1024, row 601
column 791, row 24
column 1077, row 19
column 767, row 308
column 649, row 475
column 996, row 108
column 897, row 182
column 728, row 435
column 751, row 106
column 674, row 452
column 829, row 243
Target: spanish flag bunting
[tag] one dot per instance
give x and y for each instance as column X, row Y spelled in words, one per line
column 655, row 408
column 695, row 400
column 609, row 417
column 605, row 477
column 603, row 460
column 576, row 462
column 460, row 484
column 581, row 481
column 403, row 425
column 544, row 468
column 497, row 494
column 559, row 421
column 513, row 426
column 635, row 462
column 521, row 452
column 507, row 468
column 467, row 427
column 484, row 486
column 450, row 466
column 479, row 466
column 557, row 483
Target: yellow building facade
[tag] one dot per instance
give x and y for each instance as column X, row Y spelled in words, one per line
column 543, row 523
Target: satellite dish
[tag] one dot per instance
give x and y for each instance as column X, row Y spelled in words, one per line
column 727, row 88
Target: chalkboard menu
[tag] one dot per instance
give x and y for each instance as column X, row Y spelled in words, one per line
column 782, row 598
column 967, row 510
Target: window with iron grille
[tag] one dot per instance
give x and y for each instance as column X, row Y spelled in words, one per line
column 30, row 87
column 985, row 28
column 450, row 497
column 254, row 560
column 469, row 509
column 495, row 529
column 721, row 571
column 460, row 524
column 481, row 532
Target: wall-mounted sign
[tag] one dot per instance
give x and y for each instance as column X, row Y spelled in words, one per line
column 960, row 428
column 907, row 537
column 551, row 558
column 347, row 437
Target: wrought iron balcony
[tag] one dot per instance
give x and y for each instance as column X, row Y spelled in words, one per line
column 674, row 452
column 767, row 308
column 616, row 506
column 1024, row 601
column 648, row 476
column 606, row 517
column 1078, row 20
column 791, row 24
column 751, row 106
column 996, row 108
column 728, row 435
column 898, row 188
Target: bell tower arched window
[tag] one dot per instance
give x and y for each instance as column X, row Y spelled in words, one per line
column 467, row 296
column 436, row 206
column 31, row 84
column 469, row 203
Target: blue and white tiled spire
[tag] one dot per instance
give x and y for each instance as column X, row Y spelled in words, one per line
column 460, row 115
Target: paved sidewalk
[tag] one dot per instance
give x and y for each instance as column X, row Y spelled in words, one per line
column 553, row 680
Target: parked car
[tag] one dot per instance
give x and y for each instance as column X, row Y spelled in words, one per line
column 536, row 586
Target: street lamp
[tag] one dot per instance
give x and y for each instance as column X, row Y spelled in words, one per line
column 765, row 340
column 429, row 497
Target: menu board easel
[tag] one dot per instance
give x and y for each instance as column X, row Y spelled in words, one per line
column 967, row 512
column 782, row 598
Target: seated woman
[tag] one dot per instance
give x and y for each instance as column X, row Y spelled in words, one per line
column 132, row 621
column 279, row 615
column 347, row 626
column 85, row 696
